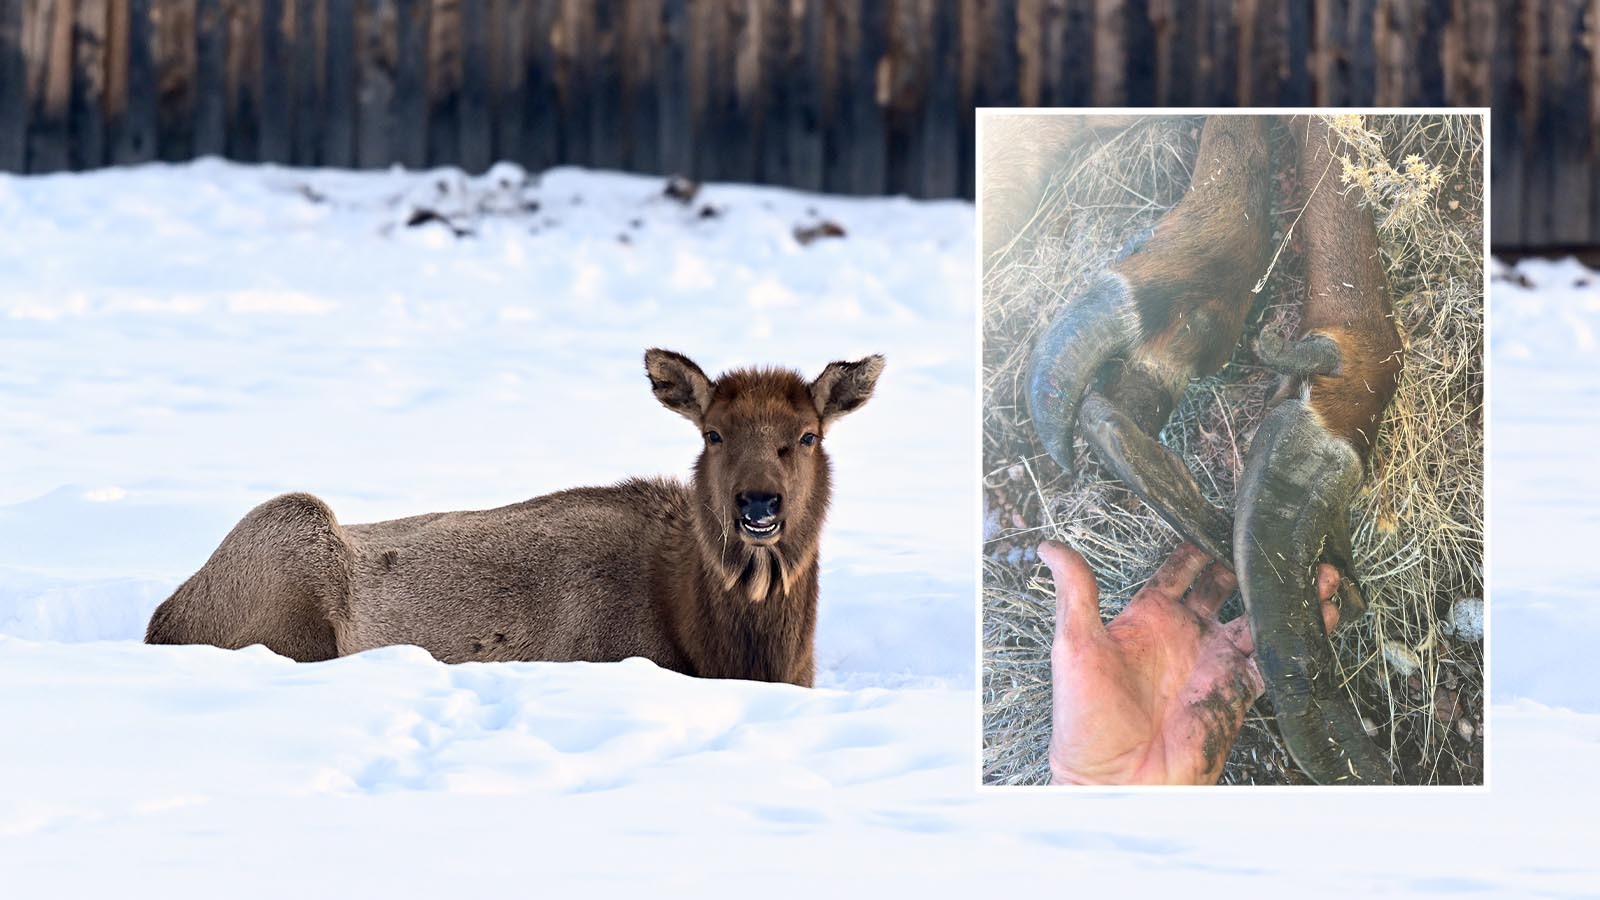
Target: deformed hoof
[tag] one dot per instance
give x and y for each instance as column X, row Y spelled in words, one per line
column 1157, row 475
column 1295, row 495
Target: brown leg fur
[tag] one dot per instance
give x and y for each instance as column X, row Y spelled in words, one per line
column 280, row 578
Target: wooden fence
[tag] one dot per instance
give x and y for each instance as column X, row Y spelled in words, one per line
column 851, row 96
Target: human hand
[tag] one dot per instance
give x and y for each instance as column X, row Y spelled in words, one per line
column 1158, row 695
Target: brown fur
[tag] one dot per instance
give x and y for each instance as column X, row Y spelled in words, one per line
column 1192, row 279
column 651, row 568
column 1021, row 153
column 1347, row 296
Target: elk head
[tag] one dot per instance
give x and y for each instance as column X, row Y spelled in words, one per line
column 761, row 484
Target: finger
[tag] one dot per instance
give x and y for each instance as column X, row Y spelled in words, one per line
column 1238, row 633
column 1077, row 596
column 1177, row 573
column 1327, row 583
column 1253, row 681
column 1212, row 589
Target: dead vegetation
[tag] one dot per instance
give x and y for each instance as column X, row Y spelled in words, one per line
column 1417, row 680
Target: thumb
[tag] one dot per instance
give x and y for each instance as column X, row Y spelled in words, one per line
column 1077, row 596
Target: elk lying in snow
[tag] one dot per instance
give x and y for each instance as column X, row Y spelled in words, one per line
column 1305, row 464
column 715, row 578
column 1171, row 308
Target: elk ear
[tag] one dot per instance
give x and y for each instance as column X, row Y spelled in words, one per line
column 844, row 386
column 678, row 383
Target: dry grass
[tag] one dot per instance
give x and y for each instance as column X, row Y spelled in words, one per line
column 1419, row 519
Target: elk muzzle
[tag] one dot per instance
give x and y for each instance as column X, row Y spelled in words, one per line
column 758, row 515
column 1292, row 509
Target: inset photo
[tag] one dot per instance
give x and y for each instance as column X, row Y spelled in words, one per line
column 1233, row 448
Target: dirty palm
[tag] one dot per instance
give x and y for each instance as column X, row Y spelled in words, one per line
column 716, row 577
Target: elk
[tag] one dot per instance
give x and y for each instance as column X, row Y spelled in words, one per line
column 714, row 578
column 1305, row 464
column 1171, row 307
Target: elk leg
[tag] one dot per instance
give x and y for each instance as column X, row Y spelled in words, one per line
column 1293, row 502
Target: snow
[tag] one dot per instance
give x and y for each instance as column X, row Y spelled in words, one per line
column 179, row 343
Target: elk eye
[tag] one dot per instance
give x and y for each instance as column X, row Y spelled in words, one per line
column 713, row 438
column 808, row 439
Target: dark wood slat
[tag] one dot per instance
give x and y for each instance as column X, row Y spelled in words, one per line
column 211, row 105
column 942, row 126
column 408, row 111
column 441, row 111
column 175, row 69
column 48, row 45
column 855, row 157
column 607, row 144
column 244, row 79
column 477, row 146
column 672, row 75
column 804, row 107
column 341, row 56
column 89, row 64
column 1067, row 52
column 309, row 51
column 508, row 33
column 770, row 88
column 375, row 25
column 13, row 90
column 541, row 140
column 277, row 80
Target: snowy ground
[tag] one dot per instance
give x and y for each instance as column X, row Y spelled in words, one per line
column 177, row 344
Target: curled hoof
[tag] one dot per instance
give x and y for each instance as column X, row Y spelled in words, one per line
column 1294, row 496
column 1067, row 357
column 1157, row 475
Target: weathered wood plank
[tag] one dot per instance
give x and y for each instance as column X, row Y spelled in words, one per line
column 89, row 45
column 508, row 32
column 50, row 93
column 340, row 56
column 211, row 65
column 310, row 103
column 1067, row 52
column 906, row 80
column 639, row 118
column 277, row 82
column 1563, row 129
column 13, row 90
column 598, row 49
column 542, row 132
column 855, row 158
column 739, row 132
column 673, row 101
column 477, row 148
column 441, row 114
column 175, row 70
column 375, row 27
column 770, row 80
column 408, row 127
column 244, row 79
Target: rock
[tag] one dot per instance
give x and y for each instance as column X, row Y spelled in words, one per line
column 1446, row 705
column 1466, row 619
column 1401, row 658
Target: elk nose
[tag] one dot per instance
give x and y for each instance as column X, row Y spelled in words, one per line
column 758, row 507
